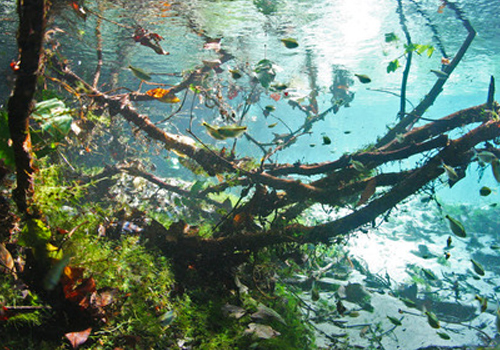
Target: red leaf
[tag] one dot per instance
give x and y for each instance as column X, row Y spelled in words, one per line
column 78, row 338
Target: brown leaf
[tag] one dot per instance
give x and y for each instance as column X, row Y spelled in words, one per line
column 368, row 192
column 78, row 338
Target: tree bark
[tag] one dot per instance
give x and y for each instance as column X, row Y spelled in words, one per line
column 29, row 39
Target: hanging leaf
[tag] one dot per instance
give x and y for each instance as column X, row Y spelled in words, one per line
column 139, row 73
column 290, row 43
column 392, row 66
column 78, row 338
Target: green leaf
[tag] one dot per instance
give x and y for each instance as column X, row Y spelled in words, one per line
column 265, row 72
column 411, row 48
column 390, row 37
column 421, row 48
column 392, row 66
column 430, row 51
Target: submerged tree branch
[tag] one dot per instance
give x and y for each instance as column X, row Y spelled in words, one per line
column 30, row 39
column 429, row 99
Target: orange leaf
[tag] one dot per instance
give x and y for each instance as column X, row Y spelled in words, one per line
column 275, row 96
column 78, row 338
column 368, row 192
column 163, row 95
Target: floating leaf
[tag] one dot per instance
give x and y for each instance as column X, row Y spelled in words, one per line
column 495, row 167
column 443, row 335
column 432, row 320
column 78, row 338
column 485, row 191
column 139, row 73
column 394, row 320
column 290, row 43
column 456, row 227
column 478, row 268
column 235, row 73
column 163, row 95
column 224, row 132
column 363, row 78
column 390, row 37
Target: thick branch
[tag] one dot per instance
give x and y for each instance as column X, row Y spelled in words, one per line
column 29, row 39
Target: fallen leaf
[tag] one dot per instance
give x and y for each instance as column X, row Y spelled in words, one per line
column 262, row 331
column 78, row 338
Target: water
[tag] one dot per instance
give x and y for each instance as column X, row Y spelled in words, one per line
column 335, row 37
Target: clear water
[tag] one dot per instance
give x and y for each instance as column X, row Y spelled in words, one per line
column 333, row 35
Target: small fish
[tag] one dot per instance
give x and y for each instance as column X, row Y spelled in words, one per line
column 432, row 320
column 456, row 227
column 440, row 74
column 483, row 302
column 356, row 164
column 485, row 156
column 326, row 140
column 139, row 73
column 394, row 321
column 290, row 43
column 363, row 78
column 495, row 167
column 485, row 191
column 447, row 255
column 478, row 268
column 235, row 73
column 450, row 172
column 270, row 108
column 448, row 242
column 443, row 335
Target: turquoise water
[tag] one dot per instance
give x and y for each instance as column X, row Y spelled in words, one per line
column 335, row 37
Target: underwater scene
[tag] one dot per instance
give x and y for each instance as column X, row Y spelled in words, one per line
column 249, row 174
